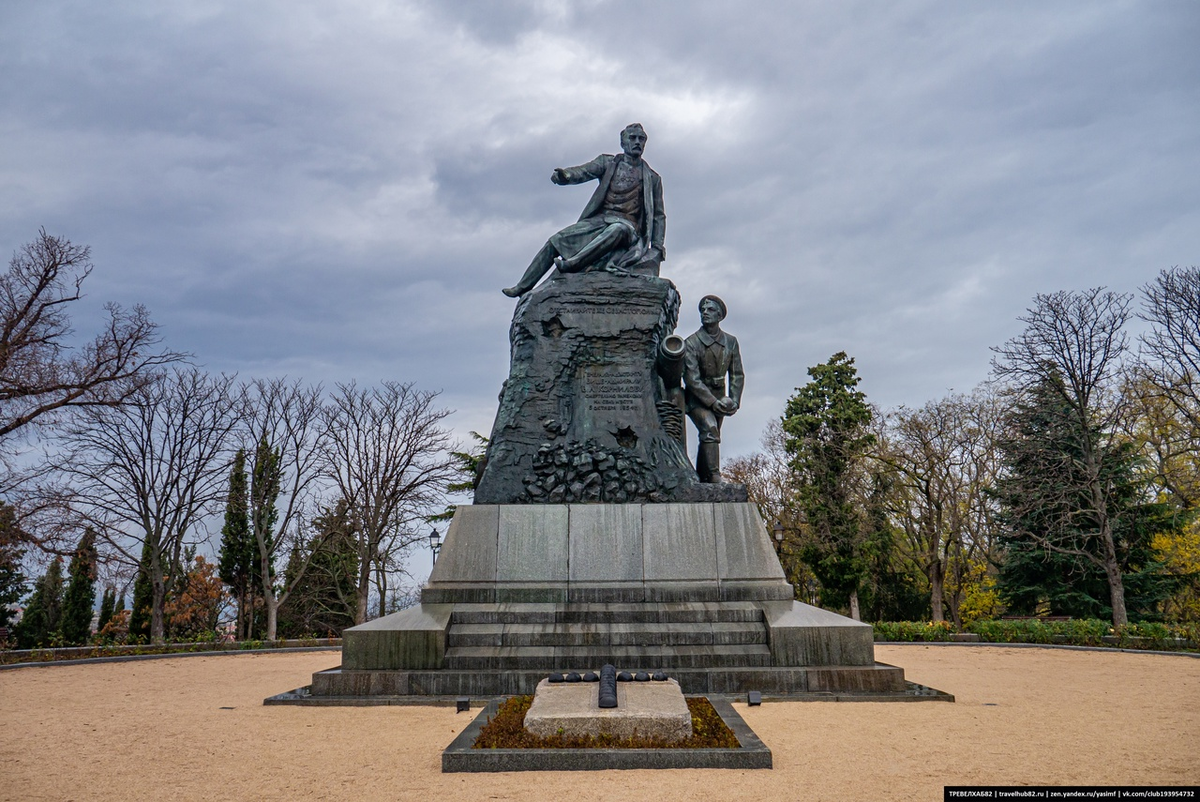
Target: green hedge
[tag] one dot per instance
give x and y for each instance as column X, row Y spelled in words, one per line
column 88, row 652
column 914, row 630
column 1076, row 632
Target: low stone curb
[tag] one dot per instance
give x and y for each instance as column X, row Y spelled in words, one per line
column 130, row 657
column 460, row 757
column 1032, row 646
column 303, row 697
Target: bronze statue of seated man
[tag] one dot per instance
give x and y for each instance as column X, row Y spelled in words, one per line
column 621, row 228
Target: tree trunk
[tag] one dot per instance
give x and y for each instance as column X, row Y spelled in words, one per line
column 953, row 603
column 381, row 586
column 936, row 591
column 854, row 613
column 240, row 625
column 364, row 591
column 1116, row 583
column 158, row 595
column 157, row 623
column 272, row 615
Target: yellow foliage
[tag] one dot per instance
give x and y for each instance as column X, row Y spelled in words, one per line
column 1180, row 552
column 981, row 601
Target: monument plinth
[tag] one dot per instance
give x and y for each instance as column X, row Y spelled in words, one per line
column 593, row 540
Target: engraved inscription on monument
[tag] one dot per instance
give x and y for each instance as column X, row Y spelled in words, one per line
column 613, row 391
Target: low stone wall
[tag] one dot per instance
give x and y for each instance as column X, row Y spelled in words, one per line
column 85, row 652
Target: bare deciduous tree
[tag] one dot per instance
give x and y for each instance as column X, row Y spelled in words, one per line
column 40, row 373
column 1074, row 343
column 389, row 457
column 1171, row 349
column 290, row 419
column 148, row 471
column 945, row 458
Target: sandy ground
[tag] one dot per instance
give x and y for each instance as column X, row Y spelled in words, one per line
column 157, row 730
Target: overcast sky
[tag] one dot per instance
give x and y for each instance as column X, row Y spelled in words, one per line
column 338, row 191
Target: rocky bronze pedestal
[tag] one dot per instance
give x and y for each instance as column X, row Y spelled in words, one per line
column 587, row 413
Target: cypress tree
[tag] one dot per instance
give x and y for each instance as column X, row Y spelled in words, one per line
column 80, row 600
column 264, row 491
column 43, row 614
column 143, row 599
column 235, row 565
column 108, row 603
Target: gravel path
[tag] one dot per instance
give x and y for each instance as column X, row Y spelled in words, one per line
column 160, row 730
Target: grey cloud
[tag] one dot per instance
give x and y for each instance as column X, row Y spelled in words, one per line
column 339, row 192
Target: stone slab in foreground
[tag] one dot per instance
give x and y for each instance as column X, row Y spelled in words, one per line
column 460, row 757
column 645, row 709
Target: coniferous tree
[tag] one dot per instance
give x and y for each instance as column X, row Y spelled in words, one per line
column 324, row 600
column 264, row 491
column 1053, row 559
column 43, row 615
column 1073, row 347
column 80, row 599
column 143, row 600
column 108, row 604
column 826, row 427
column 238, row 550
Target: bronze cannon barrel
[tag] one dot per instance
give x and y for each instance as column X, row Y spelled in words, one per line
column 670, row 360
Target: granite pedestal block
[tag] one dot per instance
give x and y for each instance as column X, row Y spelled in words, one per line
column 589, row 553
column 522, row 591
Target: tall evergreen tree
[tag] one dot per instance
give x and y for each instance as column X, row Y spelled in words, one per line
column 826, row 427
column 108, row 605
column 1053, row 557
column 324, row 600
column 43, row 615
column 80, row 599
column 264, row 492
column 143, row 600
column 238, row 549
column 1073, row 346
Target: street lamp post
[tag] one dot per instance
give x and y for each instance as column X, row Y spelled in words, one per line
column 435, row 544
column 779, row 538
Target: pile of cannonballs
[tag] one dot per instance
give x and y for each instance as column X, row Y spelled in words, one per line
column 624, row 676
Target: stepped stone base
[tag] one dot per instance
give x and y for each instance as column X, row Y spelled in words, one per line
column 520, row 592
column 878, row 679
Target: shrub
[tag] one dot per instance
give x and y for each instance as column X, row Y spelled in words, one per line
column 913, row 630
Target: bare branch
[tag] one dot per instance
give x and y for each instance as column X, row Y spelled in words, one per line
column 39, row 373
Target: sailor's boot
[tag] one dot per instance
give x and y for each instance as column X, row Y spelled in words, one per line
column 708, row 463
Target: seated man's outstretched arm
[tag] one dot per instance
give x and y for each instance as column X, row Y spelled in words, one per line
column 585, row 172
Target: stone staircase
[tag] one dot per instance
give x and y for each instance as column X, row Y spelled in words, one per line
column 583, row 637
